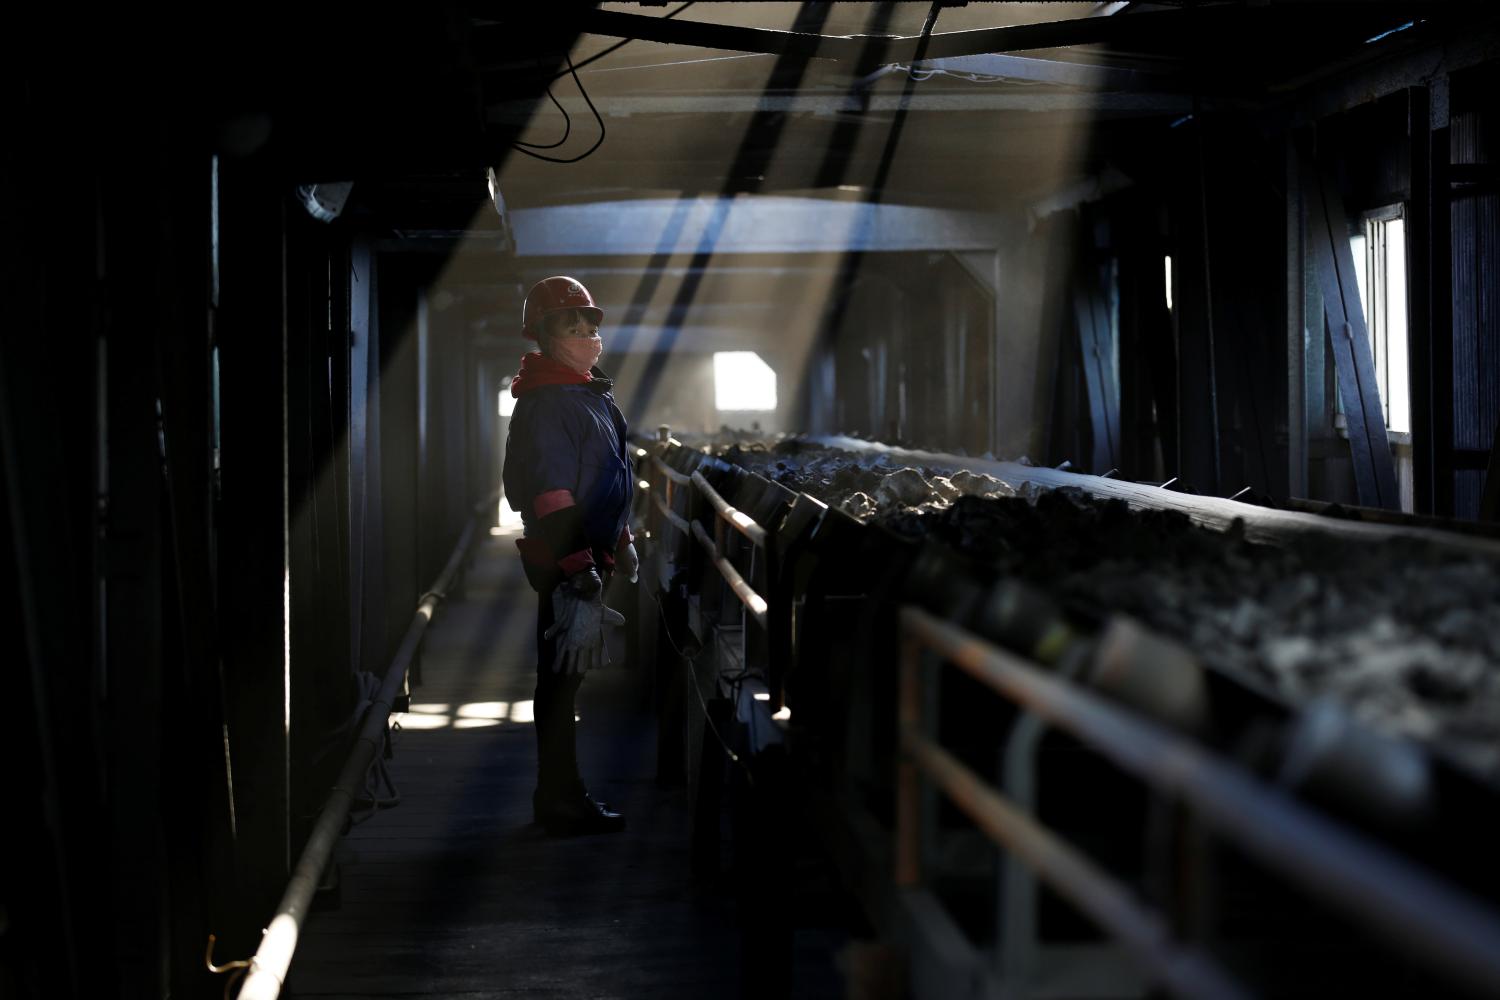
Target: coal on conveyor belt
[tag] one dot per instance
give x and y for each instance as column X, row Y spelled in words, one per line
column 1403, row 633
column 862, row 485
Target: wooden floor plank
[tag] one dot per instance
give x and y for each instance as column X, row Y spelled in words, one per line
column 454, row 893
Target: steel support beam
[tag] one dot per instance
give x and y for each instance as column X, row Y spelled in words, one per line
column 1421, row 211
column 1098, row 104
column 762, row 224
column 252, row 538
column 317, row 353
column 1296, row 324
column 1145, row 27
column 1369, row 445
column 1096, row 346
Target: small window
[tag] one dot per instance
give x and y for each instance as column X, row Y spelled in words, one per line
column 507, row 401
column 1380, row 266
column 743, row 381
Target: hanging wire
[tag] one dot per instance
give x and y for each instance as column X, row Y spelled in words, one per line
column 521, row 148
column 527, row 147
column 567, row 128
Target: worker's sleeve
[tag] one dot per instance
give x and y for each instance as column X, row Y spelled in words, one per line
column 559, row 518
column 560, row 524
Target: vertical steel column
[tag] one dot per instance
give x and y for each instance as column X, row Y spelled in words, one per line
column 1419, row 213
column 778, row 621
column 1430, row 306
column 196, row 821
column 908, row 780
column 398, row 533
column 322, row 690
column 1369, row 446
column 252, row 540
column 1296, row 326
column 1440, row 301
column 1091, row 315
column 140, row 627
column 366, row 616
column 1208, row 301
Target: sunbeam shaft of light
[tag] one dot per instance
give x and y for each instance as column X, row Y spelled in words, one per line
column 757, row 147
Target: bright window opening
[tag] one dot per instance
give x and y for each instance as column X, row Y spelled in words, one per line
column 743, row 381
column 1167, row 272
column 1380, row 267
column 507, row 520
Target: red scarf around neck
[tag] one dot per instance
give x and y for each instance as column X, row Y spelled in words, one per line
column 538, row 370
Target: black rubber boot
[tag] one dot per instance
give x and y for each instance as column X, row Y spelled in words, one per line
column 574, row 813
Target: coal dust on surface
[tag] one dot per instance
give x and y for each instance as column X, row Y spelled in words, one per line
column 1403, row 633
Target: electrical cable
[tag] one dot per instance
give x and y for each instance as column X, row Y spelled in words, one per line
column 597, row 117
column 567, row 127
column 527, row 147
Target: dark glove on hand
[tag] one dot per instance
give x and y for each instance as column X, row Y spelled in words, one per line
column 585, row 583
column 579, row 619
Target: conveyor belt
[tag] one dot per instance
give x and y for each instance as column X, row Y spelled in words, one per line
column 1262, row 524
column 1380, row 836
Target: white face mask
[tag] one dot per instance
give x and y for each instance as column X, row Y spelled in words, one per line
column 580, row 353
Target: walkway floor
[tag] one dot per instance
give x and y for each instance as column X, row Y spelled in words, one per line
column 454, row 893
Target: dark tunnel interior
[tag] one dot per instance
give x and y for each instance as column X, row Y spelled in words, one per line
column 1045, row 456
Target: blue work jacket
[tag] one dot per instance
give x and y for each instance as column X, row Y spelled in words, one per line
column 571, row 437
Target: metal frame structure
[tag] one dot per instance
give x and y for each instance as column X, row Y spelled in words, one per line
column 726, row 515
column 1411, row 909
column 716, row 548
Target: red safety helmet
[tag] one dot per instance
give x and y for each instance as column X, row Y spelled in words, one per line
column 552, row 295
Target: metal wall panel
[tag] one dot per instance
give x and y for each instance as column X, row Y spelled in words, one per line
column 1476, row 303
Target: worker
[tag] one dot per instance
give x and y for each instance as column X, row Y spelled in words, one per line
column 568, row 475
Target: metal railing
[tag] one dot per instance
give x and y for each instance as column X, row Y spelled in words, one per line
column 672, row 479
column 1422, row 916
column 267, row 971
column 746, row 554
column 725, row 516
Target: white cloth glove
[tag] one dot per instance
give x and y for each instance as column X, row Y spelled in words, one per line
column 628, row 562
column 579, row 617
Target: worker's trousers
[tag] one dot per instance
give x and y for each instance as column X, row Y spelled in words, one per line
column 556, row 749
